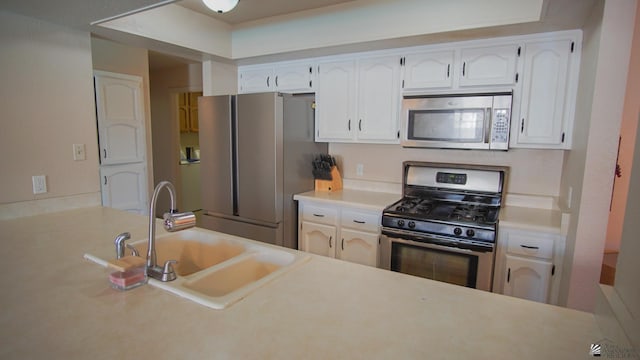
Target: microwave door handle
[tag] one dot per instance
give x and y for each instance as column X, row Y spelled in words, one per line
column 487, row 124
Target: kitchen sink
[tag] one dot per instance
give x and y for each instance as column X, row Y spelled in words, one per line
column 194, row 250
column 215, row 269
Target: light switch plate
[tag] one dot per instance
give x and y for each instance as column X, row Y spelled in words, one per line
column 39, row 184
column 79, row 152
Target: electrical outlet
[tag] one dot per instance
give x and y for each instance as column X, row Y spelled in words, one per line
column 359, row 170
column 79, row 152
column 39, row 184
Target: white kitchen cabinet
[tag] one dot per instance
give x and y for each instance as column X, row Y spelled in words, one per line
column 318, row 239
column 336, row 101
column 428, row 70
column 124, row 187
column 120, row 114
column 527, row 278
column 488, row 65
column 459, row 68
column 358, row 100
column 528, row 264
column 547, row 101
column 346, row 233
column 283, row 77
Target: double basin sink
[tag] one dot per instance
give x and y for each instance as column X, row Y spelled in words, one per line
column 214, row 269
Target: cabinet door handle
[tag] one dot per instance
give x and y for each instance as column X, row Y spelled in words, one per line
column 276, row 81
column 268, row 80
column 360, row 125
column 330, row 237
column 349, row 125
column 508, row 274
column 530, row 247
column 318, row 215
column 359, row 222
column 448, row 69
column 522, row 126
column 342, row 245
column 464, row 66
column 104, row 151
column 105, row 180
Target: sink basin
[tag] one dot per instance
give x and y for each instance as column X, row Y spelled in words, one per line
column 195, row 251
column 215, row 269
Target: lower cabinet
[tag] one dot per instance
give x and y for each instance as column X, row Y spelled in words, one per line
column 346, row 233
column 528, row 264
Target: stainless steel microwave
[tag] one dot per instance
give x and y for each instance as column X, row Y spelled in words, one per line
column 457, row 122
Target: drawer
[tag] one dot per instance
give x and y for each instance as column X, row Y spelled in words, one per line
column 530, row 244
column 360, row 220
column 320, row 214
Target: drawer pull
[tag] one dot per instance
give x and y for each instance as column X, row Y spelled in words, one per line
column 359, row 222
column 318, row 215
column 530, row 247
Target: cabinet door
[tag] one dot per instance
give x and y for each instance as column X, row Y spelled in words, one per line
column 378, row 98
column 527, row 278
column 255, row 80
column 543, row 109
column 358, row 246
column 318, row 239
column 294, row 78
column 124, row 187
column 428, row 70
column 495, row 65
column 335, row 102
column 120, row 114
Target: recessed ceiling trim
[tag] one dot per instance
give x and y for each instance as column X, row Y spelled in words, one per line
column 145, row 8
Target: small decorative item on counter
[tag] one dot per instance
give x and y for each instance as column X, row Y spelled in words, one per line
column 131, row 272
column 326, row 174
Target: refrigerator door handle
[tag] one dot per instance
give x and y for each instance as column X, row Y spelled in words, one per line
column 244, row 220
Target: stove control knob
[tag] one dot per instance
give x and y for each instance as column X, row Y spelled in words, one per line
column 401, row 223
column 470, row 233
column 457, row 231
column 411, row 224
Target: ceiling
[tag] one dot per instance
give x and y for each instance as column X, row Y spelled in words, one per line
column 250, row 10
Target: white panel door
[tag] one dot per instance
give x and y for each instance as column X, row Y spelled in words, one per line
column 318, row 239
column 494, row 65
column 428, row 70
column 336, row 101
column 527, row 278
column 359, row 247
column 120, row 113
column 124, row 187
column 378, row 98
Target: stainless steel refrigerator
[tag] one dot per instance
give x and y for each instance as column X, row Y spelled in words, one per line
column 256, row 152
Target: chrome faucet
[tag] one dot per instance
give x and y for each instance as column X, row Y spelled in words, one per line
column 173, row 221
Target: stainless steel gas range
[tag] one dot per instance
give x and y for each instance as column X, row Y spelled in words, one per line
column 445, row 226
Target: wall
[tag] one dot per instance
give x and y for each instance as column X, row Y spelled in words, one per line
column 533, row 172
column 46, row 96
column 123, row 59
column 165, row 84
column 589, row 167
column 627, row 140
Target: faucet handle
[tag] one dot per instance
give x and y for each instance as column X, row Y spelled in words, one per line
column 168, row 273
column 119, row 241
column 134, row 251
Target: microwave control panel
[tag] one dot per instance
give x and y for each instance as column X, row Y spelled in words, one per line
column 500, row 129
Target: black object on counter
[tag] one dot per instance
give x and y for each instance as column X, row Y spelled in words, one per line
column 322, row 165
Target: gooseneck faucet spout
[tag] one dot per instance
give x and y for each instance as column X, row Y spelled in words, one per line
column 173, row 221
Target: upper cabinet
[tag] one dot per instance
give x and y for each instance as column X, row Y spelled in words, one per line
column 453, row 68
column 359, row 96
column 548, row 94
column 188, row 111
column 284, row 77
column 358, row 100
column 489, row 65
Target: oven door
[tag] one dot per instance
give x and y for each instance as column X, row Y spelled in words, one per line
column 453, row 265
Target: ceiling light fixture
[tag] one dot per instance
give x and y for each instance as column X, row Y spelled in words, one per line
column 221, row 6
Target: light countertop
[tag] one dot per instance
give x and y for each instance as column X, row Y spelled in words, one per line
column 347, row 197
column 58, row 305
column 531, row 219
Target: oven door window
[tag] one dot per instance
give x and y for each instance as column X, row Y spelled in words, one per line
column 450, row 267
column 456, row 125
